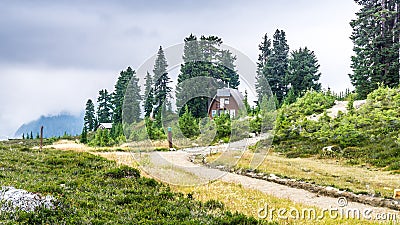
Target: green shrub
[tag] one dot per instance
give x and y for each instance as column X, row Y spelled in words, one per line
column 123, row 172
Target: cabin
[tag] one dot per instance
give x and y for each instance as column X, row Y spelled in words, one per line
column 103, row 126
column 227, row 100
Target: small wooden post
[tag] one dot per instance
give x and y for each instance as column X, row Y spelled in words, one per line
column 41, row 137
column 170, row 137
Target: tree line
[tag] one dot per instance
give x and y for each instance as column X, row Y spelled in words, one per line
column 288, row 74
column 202, row 57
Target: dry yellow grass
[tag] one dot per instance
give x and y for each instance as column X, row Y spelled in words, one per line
column 249, row 202
column 328, row 172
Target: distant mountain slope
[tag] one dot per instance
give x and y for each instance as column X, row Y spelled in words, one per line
column 53, row 126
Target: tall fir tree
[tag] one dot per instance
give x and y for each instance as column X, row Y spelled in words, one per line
column 105, row 107
column 119, row 93
column 303, row 73
column 376, row 35
column 90, row 118
column 161, row 82
column 262, row 86
column 131, row 102
column 148, row 95
column 278, row 65
column 273, row 65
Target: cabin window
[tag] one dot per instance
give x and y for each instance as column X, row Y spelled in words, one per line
column 222, row 103
column 226, row 101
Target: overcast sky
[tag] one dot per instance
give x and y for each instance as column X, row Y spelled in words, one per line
column 54, row 55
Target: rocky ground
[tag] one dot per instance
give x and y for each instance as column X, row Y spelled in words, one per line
column 12, row 199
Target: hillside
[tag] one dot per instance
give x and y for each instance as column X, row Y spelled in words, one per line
column 53, row 126
column 369, row 134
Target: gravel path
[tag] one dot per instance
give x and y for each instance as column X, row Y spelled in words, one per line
column 178, row 169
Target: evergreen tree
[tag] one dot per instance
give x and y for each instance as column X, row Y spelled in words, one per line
column 31, row 136
column 262, row 86
column 89, row 119
column 204, row 58
column 376, row 34
column 105, row 107
column 188, row 124
column 148, row 95
column 278, row 65
column 101, row 138
column 273, row 65
column 23, row 136
column 84, row 139
column 132, row 101
column 161, row 88
column 290, row 97
column 119, row 93
column 303, row 71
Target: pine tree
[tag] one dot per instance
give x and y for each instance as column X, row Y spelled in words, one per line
column 119, row 93
column 84, row 139
column 272, row 65
column 161, row 81
column 188, row 124
column 290, row 97
column 376, row 34
column 31, row 136
column 132, row 101
column 148, row 95
column 262, row 86
column 278, row 64
column 303, row 71
column 89, row 119
column 105, row 107
column 23, row 136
